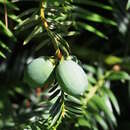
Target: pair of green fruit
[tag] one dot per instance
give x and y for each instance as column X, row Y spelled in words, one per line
column 70, row 76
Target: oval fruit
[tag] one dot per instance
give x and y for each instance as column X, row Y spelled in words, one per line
column 38, row 72
column 71, row 78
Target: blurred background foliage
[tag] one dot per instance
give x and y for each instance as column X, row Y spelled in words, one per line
column 98, row 33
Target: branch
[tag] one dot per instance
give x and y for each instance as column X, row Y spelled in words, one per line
column 42, row 15
column 54, row 40
column 94, row 89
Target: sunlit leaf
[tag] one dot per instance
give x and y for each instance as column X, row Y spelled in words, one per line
column 110, row 60
column 121, row 75
column 36, row 30
column 4, row 46
column 6, row 31
column 9, row 4
column 96, row 4
column 92, row 29
column 128, row 5
column 84, row 122
column 91, row 16
column 2, row 55
column 113, row 99
column 27, row 21
column 100, row 102
column 101, row 121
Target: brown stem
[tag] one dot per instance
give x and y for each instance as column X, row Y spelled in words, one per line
column 42, row 15
column 6, row 14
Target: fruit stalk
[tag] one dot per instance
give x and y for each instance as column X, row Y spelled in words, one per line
column 54, row 41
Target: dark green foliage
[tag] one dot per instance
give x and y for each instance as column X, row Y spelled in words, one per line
column 72, row 25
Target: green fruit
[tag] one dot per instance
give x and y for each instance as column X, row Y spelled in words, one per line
column 38, row 72
column 71, row 78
